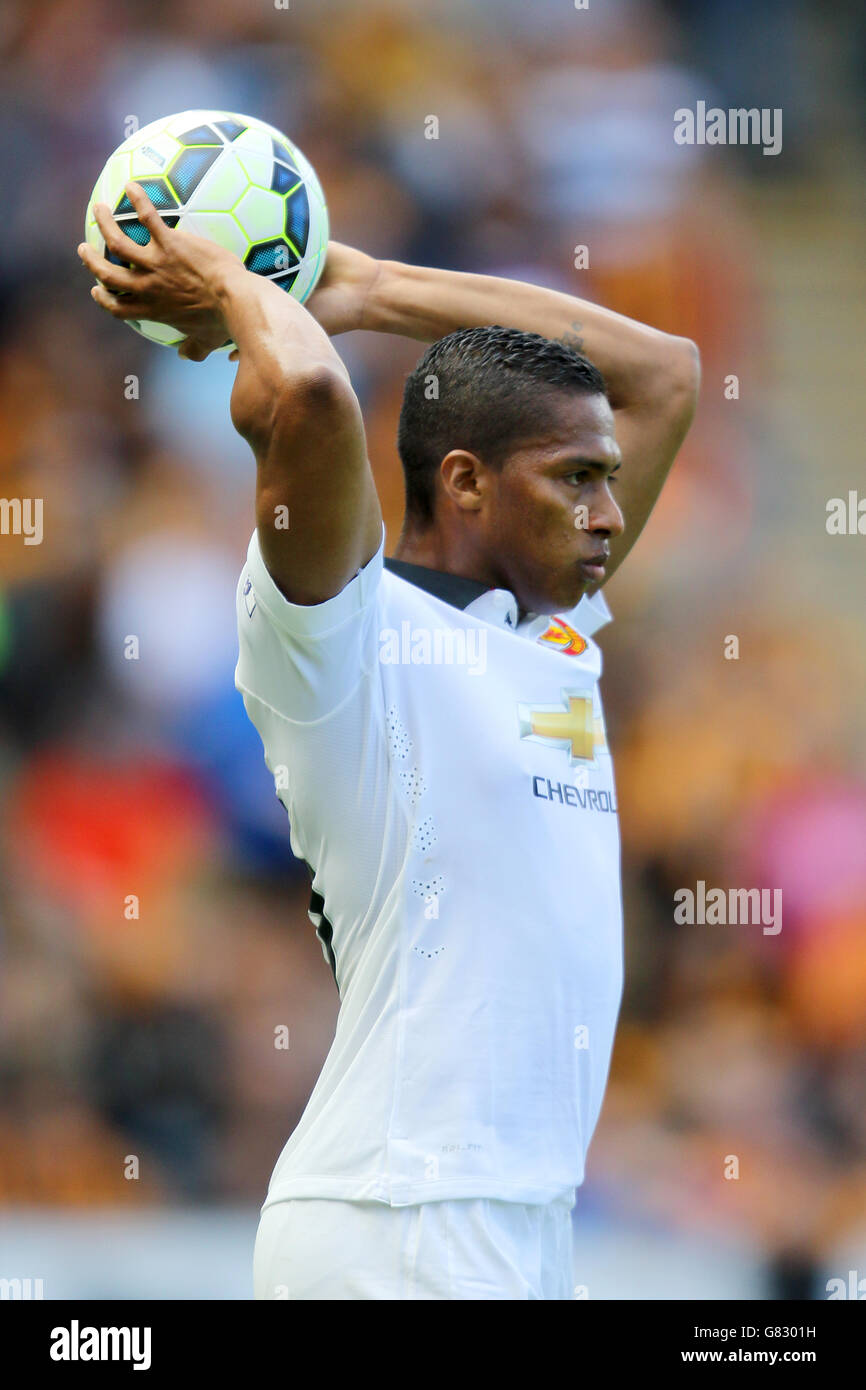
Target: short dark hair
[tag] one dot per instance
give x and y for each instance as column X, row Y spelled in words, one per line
column 486, row 399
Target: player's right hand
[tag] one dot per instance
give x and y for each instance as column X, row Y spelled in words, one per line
column 173, row 279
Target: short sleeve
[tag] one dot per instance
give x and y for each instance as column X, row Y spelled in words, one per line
column 303, row 661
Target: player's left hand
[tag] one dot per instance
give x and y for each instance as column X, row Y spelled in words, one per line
column 337, row 302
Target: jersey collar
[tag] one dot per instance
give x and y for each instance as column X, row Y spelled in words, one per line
column 497, row 606
column 451, row 588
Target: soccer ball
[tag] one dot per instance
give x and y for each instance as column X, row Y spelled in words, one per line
column 234, row 179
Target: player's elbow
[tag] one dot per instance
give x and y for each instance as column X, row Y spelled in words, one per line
column 321, row 387
column 675, row 383
column 319, row 399
column 296, row 401
column 684, row 371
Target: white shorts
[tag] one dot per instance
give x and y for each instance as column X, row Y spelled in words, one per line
column 318, row 1248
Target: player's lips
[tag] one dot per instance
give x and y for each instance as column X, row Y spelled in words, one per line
column 594, row 565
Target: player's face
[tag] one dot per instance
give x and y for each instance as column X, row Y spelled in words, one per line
column 551, row 511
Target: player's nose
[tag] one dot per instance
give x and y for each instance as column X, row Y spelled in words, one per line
column 606, row 518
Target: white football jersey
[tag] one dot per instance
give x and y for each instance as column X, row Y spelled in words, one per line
column 447, row 779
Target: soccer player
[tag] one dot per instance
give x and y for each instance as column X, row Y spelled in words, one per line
column 435, row 730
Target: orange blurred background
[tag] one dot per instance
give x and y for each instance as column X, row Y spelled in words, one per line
column 153, row 926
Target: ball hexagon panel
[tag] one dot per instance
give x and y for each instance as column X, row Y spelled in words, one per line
column 220, row 227
column 230, row 127
column 137, row 232
column 318, row 206
column 260, row 213
column 152, row 155
column 257, row 167
column 189, row 168
column 157, row 191
column 298, row 219
column 284, row 155
column 202, row 134
column 110, row 185
column 271, row 257
column 255, row 140
column 283, row 178
column 223, row 185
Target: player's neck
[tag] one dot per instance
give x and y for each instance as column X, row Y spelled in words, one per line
column 435, row 551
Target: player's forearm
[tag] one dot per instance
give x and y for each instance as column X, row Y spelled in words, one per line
column 423, row 303
column 281, row 347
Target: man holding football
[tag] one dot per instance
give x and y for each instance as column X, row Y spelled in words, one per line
column 461, row 833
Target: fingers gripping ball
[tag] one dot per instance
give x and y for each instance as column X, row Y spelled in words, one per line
column 231, row 178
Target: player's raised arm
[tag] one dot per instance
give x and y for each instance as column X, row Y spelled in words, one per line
column 317, row 511
column 652, row 378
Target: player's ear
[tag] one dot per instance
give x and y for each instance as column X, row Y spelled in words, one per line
column 460, row 472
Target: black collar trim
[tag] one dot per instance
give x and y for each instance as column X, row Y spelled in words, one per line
column 451, row 588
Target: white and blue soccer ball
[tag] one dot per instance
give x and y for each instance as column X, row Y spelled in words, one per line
column 234, row 179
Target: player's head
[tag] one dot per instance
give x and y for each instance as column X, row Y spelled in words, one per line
column 507, row 445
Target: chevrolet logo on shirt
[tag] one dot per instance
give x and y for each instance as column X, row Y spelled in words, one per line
column 574, row 728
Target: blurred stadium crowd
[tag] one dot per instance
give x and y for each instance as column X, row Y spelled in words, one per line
column 153, row 928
